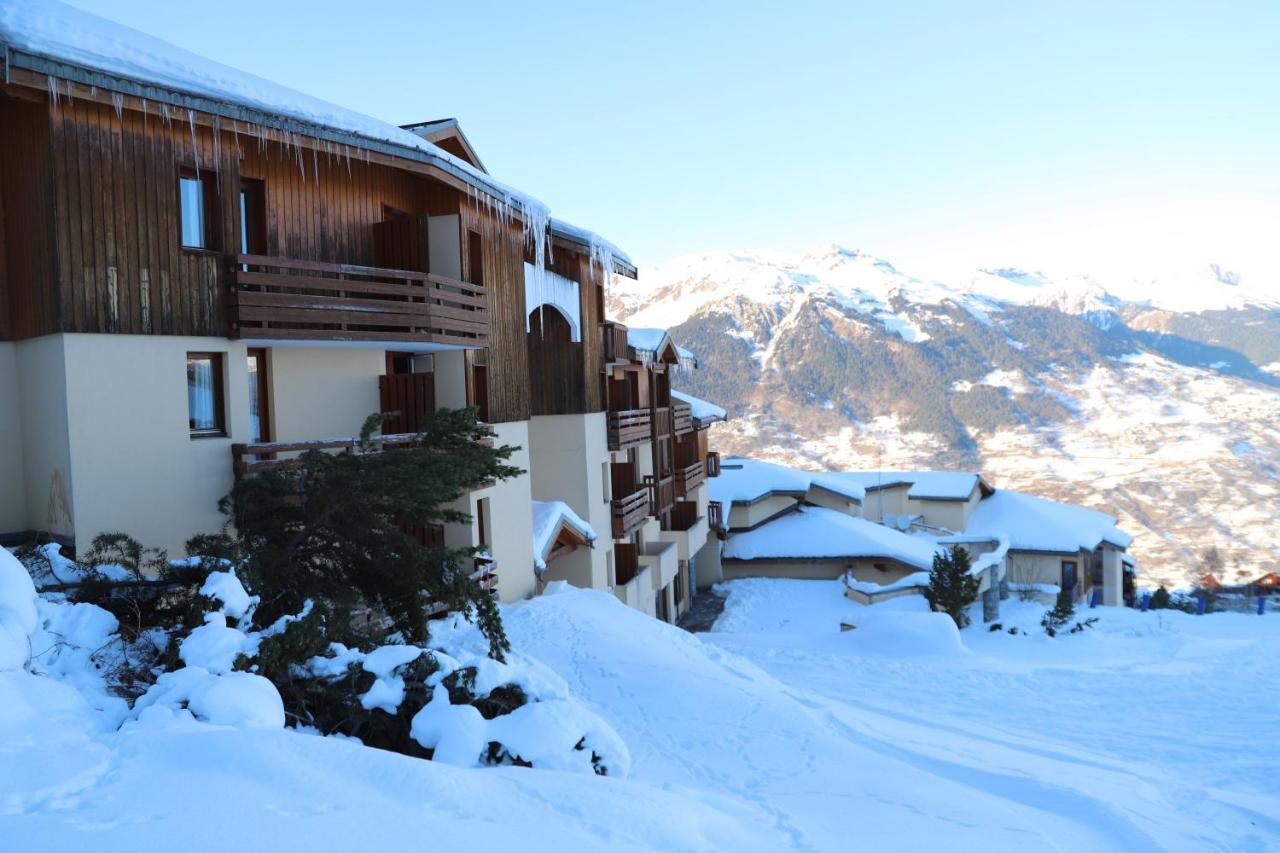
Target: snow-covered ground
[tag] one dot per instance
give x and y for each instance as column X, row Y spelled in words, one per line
column 777, row 731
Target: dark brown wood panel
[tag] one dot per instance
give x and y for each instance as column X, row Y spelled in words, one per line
column 26, row 181
column 556, row 381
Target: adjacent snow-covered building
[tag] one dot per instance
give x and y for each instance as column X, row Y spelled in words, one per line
column 881, row 529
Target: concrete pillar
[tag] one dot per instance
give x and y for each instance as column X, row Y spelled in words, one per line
column 991, row 603
column 1112, row 578
column 1004, row 582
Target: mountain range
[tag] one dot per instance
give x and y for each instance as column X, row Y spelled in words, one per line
column 1157, row 401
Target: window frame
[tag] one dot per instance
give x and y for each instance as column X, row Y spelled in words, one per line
column 210, row 209
column 218, row 362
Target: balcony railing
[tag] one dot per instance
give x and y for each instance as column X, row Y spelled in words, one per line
column 715, row 517
column 249, row 459
column 689, row 478
column 284, row 298
column 629, row 512
column 662, row 493
column 485, row 574
column 682, row 418
column 626, row 563
column 629, row 428
column 661, row 422
column 684, row 515
column 713, row 463
column 615, row 342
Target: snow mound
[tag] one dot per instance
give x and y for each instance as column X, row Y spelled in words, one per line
column 239, row 699
column 225, row 588
column 18, row 615
column 901, row 634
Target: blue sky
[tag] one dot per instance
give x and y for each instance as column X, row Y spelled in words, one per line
column 1079, row 136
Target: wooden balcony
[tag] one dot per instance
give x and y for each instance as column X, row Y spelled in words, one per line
column 682, row 418
column 616, row 347
column 662, row 493
column 249, row 459
column 629, row 511
column 684, row 515
column 283, row 298
column 629, row 428
column 715, row 517
column 661, row 423
column 713, row 463
column 626, row 563
column 689, row 478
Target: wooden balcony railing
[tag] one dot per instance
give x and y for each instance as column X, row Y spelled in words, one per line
column 682, row 418
column 713, row 463
column 629, row 428
column 626, row 563
column 684, row 515
column 662, row 493
column 485, row 574
column 275, row 298
column 661, row 422
column 615, row 342
column 715, row 517
column 689, row 478
column 629, row 512
column 249, row 459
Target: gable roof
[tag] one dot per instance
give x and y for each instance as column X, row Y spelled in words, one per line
column 745, row 481
column 820, row 533
column 1038, row 524
column 703, row 413
column 657, row 345
column 923, row 485
column 550, row 520
column 446, row 133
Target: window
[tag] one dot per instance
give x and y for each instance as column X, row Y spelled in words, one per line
column 1069, row 576
column 253, row 217
column 205, row 414
column 197, row 209
column 482, row 523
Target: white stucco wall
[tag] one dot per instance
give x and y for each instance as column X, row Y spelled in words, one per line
column 134, row 466
column 881, row 502
column 568, row 454
column 320, row 392
column 510, row 519
column 744, row 516
column 46, row 453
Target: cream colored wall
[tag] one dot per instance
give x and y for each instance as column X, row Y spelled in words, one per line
column 134, row 466
column 13, row 493
column 709, row 569
column 46, row 446
column 320, row 392
column 830, row 500
column 816, row 569
column 881, row 502
column 743, row 516
column 953, row 515
column 510, row 526
column 567, row 458
column 1029, row 567
column 451, row 379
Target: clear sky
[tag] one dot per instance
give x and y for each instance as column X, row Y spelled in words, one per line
column 1077, row 136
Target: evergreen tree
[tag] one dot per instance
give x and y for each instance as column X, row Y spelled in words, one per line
column 951, row 588
column 1161, row 600
column 329, row 529
column 1057, row 618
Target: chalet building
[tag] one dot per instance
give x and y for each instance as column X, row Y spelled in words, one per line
column 880, row 530
column 201, row 273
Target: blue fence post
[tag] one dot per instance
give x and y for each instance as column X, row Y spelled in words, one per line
column 1146, row 601
column 1201, row 601
column 1093, row 597
column 1262, row 605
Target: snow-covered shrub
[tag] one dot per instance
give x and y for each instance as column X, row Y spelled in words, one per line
column 1055, row 620
column 951, row 588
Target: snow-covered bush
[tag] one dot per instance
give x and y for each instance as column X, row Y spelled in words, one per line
column 952, row 589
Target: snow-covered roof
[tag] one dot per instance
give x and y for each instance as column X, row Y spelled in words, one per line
column 704, row 413
column 745, row 481
column 649, row 342
column 548, row 518
column 922, row 485
column 438, row 130
column 603, row 253
column 819, row 533
column 1033, row 523
column 63, row 42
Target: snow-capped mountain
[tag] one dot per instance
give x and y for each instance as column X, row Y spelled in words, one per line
column 1157, row 400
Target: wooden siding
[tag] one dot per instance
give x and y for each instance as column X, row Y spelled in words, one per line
column 28, row 303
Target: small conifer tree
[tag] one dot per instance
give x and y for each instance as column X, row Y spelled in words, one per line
column 1161, row 600
column 1059, row 617
column 951, row 588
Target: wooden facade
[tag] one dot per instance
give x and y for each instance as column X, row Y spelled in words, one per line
column 91, row 242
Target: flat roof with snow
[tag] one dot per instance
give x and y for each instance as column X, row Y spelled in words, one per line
column 820, row 533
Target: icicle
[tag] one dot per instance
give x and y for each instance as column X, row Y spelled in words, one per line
column 71, row 93
column 315, row 160
column 346, row 149
column 144, row 113
column 217, row 144
column 195, row 149
column 235, row 130
column 297, row 153
column 117, row 101
column 53, row 89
